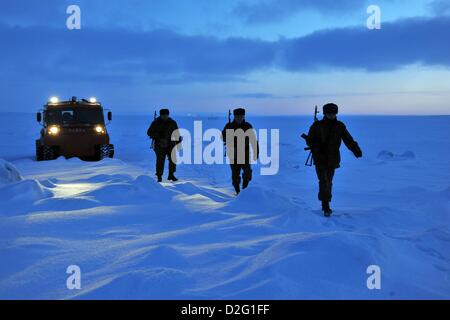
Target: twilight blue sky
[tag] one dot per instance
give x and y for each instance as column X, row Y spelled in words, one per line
column 271, row 56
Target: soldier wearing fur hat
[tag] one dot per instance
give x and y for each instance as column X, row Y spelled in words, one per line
column 161, row 131
column 324, row 139
column 238, row 135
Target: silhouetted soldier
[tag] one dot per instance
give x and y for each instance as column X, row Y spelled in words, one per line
column 238, row 135
column 324, row 139
column 161, row 131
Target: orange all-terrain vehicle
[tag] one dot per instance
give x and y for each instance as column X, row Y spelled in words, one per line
column 74, row 128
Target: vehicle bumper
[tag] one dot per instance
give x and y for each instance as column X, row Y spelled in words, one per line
column 76, row 145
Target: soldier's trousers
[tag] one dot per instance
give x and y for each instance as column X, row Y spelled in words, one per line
column 325, row 176
column 161, row 155
column 236, row 173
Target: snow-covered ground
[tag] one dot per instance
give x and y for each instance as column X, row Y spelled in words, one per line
column 133, row 238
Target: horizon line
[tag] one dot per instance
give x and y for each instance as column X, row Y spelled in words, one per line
column 210, row 114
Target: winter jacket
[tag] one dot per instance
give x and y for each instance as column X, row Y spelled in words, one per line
column 324, row 139
column 161, row 132
column 250, row 139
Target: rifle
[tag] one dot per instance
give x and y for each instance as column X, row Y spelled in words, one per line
column 153, row 140
column 310, row 160
column 224, row 143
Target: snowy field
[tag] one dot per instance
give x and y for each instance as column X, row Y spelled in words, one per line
column 133, row 238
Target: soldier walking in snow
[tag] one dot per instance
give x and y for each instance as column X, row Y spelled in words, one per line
column 324, row 139
column 238, row 135
column 161, row 131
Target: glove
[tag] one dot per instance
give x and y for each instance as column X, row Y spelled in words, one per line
column 358, row 153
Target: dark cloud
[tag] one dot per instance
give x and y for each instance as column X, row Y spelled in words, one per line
column 188, row 78
column 166, row 57
column 58, row 54
column 269, row 11
column 254, row 95
column 397, row 44
column 440, row 7
column 25, row 12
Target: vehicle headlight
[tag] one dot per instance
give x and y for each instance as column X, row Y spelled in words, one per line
column 54, row 100
column 53, row 130
column 99, row 129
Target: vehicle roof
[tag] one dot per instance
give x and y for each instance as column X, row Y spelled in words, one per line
column 72, row 104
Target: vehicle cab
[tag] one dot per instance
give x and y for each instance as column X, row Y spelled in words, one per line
column 74, row 128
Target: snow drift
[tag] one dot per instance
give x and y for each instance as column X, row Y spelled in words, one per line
column 13, row 188
column 136, row 239
column 390, row 156
column 8, row 173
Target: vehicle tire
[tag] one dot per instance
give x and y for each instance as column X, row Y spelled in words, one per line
column 39, row 151
column 48, row 153
column 105, row 151
column 111, row 151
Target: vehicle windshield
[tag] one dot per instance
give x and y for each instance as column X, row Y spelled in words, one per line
column 78, row 115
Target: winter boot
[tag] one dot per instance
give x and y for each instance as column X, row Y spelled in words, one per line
column 171, row 177
column 245, row 184
column 326, row 209
column 237, row 188
column 159, row 178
